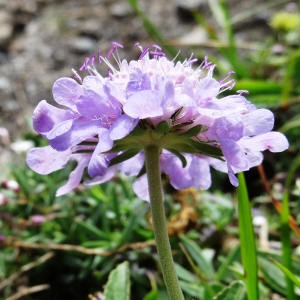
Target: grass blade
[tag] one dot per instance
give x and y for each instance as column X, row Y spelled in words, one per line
column 285, row 231
column 287, row 272
column 248, row 248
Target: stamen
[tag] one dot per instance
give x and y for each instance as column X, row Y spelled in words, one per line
column 109, row 64
column 240, row 92
column 176, row 56
column 85, row 64
column 227, row 86
column 117, row 44
column 93, row 60
column 99, row 57
column 117, row 59
column 111, row 51
column 155, row 53
column 136, row 44
column 228, row 75
column 156, row 47
column 145, row 51
column 190, row 62
column 76, row 76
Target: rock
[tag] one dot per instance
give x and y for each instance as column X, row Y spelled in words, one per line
column 184, row 8
column 83, row 45
column 10, row 105
column 4, row 83
column 28, row 6
column 6, row 28
column 120, row 10
column 90, row 28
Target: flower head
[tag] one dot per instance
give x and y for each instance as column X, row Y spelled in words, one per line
column 108, row 122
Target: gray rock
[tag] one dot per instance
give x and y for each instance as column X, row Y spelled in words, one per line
column 120, row 10
column 83, row 45
column 6, row 27
column 4, row 83
column 10, row 105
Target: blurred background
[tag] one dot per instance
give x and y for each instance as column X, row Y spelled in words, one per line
column 41, row 41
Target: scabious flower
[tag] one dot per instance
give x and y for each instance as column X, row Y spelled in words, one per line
column 108, row 122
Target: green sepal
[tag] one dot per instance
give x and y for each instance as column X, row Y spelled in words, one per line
column 183, row 147
column 124, row 156
column 119, row 147
column 206, row 149
column 179, row 155
column 192, row 131
column 137, row 131
column 142, row 171
column 163, row 127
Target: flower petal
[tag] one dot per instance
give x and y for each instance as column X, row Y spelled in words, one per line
column 122, row 127
column 99, row 162
column 46, row 160
column 132, row 166
column 234, row 154
column 76, row 175
column 94, row 83
column 232, row 178
column 45, row 116
column 141, row 188
column 66, row 91
column 273, row 141
column 110, row 172
column 207, row 89
column 145, row 104
column 80, row 130
column 258, row 122
column 200, row 173
column 93, row 106
column 59, row 129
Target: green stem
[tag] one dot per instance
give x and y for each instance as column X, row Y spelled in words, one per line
column 152, row 154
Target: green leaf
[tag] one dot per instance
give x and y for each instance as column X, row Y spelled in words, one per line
column 131, row 224
column 293, row 123
column 287, row 272
column 235, row 291
column 232, row 256
column 272, row 275
column 124, row 156
column 153, row 295
column 259, row 86
column 184, row 274
column 92, row 229
column 118, row 285
column 248, row 248
column 196, row 253
column 192, row 289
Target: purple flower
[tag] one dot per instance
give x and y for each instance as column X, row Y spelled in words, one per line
column 108, row 122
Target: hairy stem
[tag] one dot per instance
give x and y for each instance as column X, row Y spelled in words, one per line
column 152, row 154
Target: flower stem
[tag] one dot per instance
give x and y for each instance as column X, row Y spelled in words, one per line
column 152, row 153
